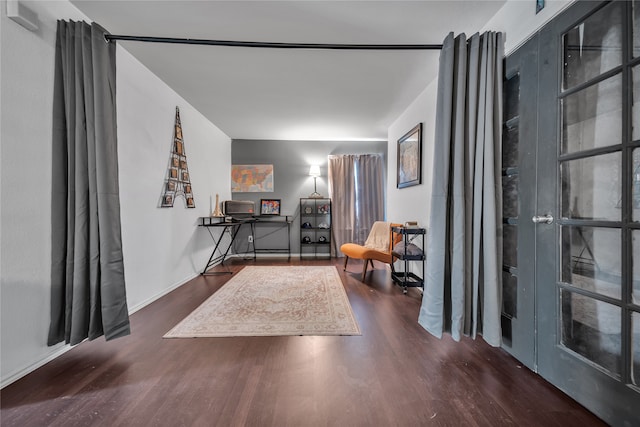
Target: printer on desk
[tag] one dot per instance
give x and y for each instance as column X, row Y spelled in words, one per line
column 239, row 210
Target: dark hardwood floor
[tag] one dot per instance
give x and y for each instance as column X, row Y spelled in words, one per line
column 395, row 374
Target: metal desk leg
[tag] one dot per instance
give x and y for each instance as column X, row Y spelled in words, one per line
column 213, row 258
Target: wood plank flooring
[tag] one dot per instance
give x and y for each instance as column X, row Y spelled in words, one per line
column 395, row 374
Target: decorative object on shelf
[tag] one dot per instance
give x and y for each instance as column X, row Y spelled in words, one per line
column 322, row 239
column 410, row 158
column 324, row 209
column 308, row 210
column 306, row 239
column 252, row 178
column 314, row 171
column 177, row 182
column 306, row 225
column 269, row 206
column 217, row 212
column 323, row 225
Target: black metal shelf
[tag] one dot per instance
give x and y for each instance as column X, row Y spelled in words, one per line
column 315, row 212
column 405, row 278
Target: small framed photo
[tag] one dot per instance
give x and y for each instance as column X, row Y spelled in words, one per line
column 179, row 147
column 190, row 202
column 187, row 189
column 173, row 173
column 171, row 186
column 167, row 201
column 270, row 207
column 178, row 132
column 185, row 176
column 175, row 162
column 183, row 164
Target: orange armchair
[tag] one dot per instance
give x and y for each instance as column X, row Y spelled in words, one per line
column 378, row 246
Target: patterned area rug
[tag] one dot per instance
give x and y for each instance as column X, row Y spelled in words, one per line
column 273, row 301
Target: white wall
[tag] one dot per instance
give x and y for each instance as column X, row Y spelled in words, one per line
column 412, row 203
column 162, row 247
column 518, row 20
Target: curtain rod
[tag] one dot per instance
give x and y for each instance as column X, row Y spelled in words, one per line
column 112, row 37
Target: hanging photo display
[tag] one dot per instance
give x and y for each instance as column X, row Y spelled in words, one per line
column 177, row 181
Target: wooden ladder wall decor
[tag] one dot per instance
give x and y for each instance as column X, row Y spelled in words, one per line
column 177, row 183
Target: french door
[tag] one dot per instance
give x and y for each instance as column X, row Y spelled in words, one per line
column 583, row 202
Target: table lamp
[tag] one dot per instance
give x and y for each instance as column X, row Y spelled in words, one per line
column 314, row 171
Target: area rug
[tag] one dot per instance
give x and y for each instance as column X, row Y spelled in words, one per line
column 273, row 301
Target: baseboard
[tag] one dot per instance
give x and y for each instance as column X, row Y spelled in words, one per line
column 30, row 368
column 249, row 256
column 156, row 297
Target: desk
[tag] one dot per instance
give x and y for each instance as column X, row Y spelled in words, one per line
column 283, row 220
column 232, row 228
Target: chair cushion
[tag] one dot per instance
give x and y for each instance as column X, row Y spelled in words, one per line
column 353, row 250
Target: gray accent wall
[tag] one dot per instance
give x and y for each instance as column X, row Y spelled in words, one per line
column 291, row 161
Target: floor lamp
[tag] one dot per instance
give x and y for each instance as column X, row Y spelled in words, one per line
column 314, row 171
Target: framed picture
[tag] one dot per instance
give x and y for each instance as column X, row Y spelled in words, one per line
column 171, row 186
column 187, row 188
column 252, row 178
column 190, row 202
column 173, row 173
column 270, row 207
column 167, row 201
column 175, row 162
column 410, row 158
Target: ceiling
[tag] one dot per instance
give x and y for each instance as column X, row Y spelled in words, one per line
column 252, row 93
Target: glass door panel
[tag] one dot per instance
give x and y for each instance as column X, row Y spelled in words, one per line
column 510, row 196
column 592, row 329
column 635, row 99
column 635, row 297
column 510, row 147
column 592, row 187
column 635, row 184
column 593, row 47
column 509, row 246
column 636, row 348
column 591, row 259
column 636, row 28
column 592, row 117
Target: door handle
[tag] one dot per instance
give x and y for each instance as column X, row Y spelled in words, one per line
column 542, row 219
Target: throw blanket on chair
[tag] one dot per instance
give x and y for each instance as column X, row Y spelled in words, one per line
column 378, row 237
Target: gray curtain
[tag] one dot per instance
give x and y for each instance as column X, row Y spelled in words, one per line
column 463, row 289
column 357, row 191
column 88, row 296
